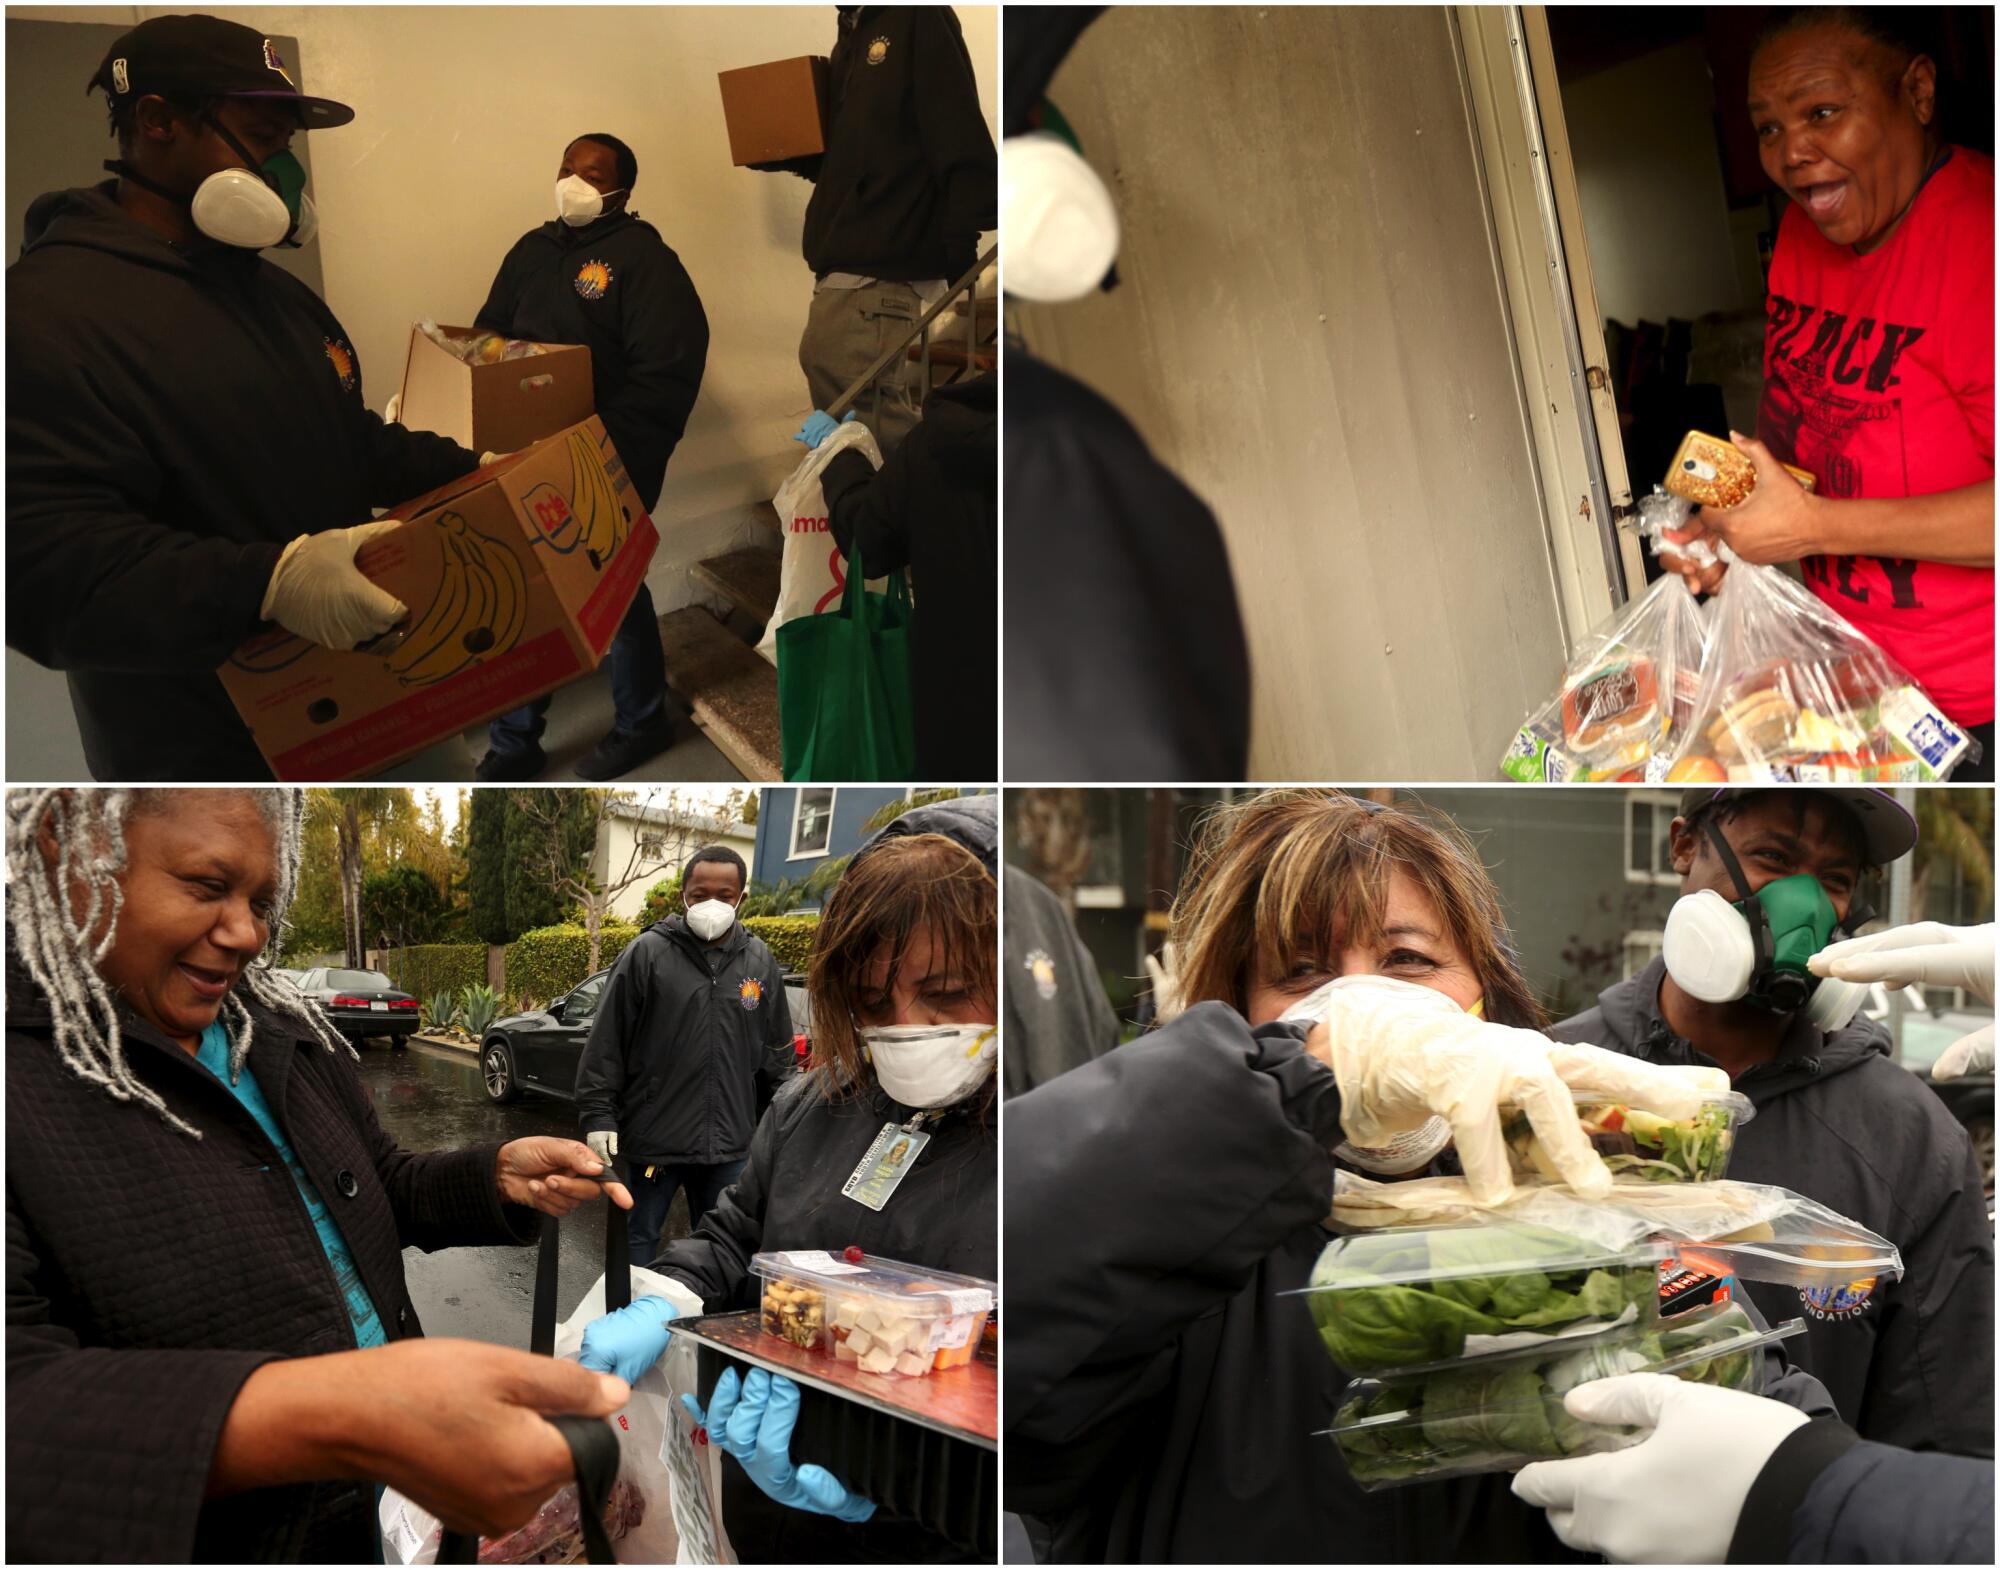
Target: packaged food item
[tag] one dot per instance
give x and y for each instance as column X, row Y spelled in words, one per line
column 1498, row 1414
column 1791, row 691
column 1629, row 689
column 1711, row 472
column 1636, row 1144
column 885, row 1318
column 1419, row 1297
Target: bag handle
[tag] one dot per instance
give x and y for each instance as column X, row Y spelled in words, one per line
column 852, row 590
column 617, row 1270
column 593, row 1451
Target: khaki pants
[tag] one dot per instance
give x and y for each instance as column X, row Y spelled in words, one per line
column 846, row 332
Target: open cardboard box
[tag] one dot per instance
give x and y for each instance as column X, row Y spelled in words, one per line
column 775, row 111
column 501, row 407
column 517, row 577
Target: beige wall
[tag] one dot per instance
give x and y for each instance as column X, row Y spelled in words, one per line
column 463, row 113
column 1312, row 332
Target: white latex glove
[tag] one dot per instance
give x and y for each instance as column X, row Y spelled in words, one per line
column 1676, row 1494
column 318, row 593
column 1402, row 1054
column 603, row 1145
column 1928, row 952
column 1971, row 1054
column 393, row 415
column 492, row 457
column 1166, row 985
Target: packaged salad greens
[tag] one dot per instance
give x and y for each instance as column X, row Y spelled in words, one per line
column 1498, row 1414
column 1638, row 1145
column 1418, row 1297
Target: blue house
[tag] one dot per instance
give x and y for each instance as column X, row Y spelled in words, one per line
column 800, row 826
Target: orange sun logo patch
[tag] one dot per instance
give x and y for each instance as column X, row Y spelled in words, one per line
column 751, row 993
column 593, row 279
column 341, row 358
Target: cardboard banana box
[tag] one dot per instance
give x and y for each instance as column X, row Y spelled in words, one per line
column 516, row 577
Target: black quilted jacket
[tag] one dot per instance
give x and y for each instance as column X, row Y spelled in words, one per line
column 148, row 1274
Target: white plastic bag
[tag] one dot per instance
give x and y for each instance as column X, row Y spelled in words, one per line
column 814, row 572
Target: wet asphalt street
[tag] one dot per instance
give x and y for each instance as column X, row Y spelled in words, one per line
column 430, row 1098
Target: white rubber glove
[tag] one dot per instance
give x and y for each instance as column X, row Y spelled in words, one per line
column 1402, row 1054
column 1971, row 1054
column 1930, row 953
column 1676, row 1494
column 318, row 593
column 393, row 415
column 1166, row 985
column 492, row 457
column 603, row 1145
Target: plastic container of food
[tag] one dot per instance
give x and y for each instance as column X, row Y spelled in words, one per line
column 1799, row 1243
column 1499, row 1414
column 1637, row 1145
column 886, row 1318
column 1416, row 1297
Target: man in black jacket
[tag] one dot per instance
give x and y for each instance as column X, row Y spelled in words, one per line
column 692, row 1038
column 1908, row 1362
column 599, row 275
column 188, row 453
column 907, row 183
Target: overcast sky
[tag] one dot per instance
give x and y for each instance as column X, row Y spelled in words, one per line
column 711, row 797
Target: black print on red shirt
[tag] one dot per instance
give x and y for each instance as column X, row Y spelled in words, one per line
column 1808, row 418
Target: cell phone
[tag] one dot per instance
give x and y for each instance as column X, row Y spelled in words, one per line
column 1712, row 472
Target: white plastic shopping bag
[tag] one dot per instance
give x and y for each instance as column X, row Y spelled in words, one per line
column 814, row 572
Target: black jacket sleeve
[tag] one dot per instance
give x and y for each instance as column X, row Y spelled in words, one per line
column 715, row 1259
column 870, row 506
column 1143, row 1189
column 108, row 1451
column 666, row 350
column 602, row 1071
column 497, row 314
column 954, row 132
column 96, row 580
column 403, row 463
column 780, row 1056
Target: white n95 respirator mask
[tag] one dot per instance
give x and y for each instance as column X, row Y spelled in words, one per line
column 708, row 919
column 931, row 1065
column 1060, row 224
column 578, row 202
column 1756, row 948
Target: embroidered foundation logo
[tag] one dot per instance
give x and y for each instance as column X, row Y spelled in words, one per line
column 1842, row 1302
column 341, row 358
column 750, row 994
column 273, row 63
column 1043, row 969
column 878, row 51
column 593, row 279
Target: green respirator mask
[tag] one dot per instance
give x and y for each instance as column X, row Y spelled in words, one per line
column 1756, row 948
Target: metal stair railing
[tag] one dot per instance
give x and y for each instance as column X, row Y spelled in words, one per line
column 966, row 285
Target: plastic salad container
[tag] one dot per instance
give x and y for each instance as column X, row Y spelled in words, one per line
column 886, row 1318
column 1636, row 1145
column 1414, row 1297
column 1498, row 1414
column 1800, row 1243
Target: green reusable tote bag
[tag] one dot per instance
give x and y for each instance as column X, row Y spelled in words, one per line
column 844, row 707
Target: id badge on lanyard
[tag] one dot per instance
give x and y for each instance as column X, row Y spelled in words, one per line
column 881, row 1172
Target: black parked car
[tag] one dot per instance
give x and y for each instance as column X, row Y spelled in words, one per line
column 1970, row 1100
column 362, row 1004
column 539, row 1050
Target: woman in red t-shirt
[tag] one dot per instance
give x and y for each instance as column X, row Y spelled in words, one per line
column 1878, row 360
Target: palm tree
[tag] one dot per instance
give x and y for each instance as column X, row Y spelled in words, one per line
column 1954, row 844
column 347, row 810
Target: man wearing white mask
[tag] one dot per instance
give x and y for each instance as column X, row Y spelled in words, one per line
column 1752, row 980
column 599, row 275
column 692, row 1039
column 189, row 456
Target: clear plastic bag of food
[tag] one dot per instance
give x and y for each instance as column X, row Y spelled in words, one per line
column 1663, row 511
column 1792, row 691
column 553, row 1535
column 1625, row 698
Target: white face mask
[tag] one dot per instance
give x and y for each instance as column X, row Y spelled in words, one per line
column 708, row 919
column 1404, row 1152
column 932, row 1065
column 578, row 202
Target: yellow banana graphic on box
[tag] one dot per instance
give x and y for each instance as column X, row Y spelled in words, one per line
column 479, row 610
column 601, row 517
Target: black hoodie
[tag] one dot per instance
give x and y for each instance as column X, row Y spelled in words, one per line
column 934, row 508
column 909, row 178
column 1838, row 1121
column 175, row 415
column 635, row 309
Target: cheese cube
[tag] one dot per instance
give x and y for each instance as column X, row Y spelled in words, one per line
column 844, row 1353
column 868, row 1319
column 911, row 1364
column 895, row 1335
column 859, row 1341
column 848, row 1315
column 878, row 1360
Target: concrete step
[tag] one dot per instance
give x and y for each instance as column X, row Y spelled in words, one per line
column 746, row 577
column 731, row 690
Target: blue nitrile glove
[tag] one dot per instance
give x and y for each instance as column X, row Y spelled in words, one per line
column 628, row 1341
column 819, row 426
column 756, row 1426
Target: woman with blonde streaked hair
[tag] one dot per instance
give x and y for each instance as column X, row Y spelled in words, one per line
column 1347, row 998
column 902, row 992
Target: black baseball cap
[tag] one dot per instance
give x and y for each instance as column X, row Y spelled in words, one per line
column 203, row 56
column 1888, row 828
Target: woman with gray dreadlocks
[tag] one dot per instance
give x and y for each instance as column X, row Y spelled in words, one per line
column 211, row 1350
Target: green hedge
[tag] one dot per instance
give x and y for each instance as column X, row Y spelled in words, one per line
column 789, row 938
column 547, row 962
column 425, row 969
